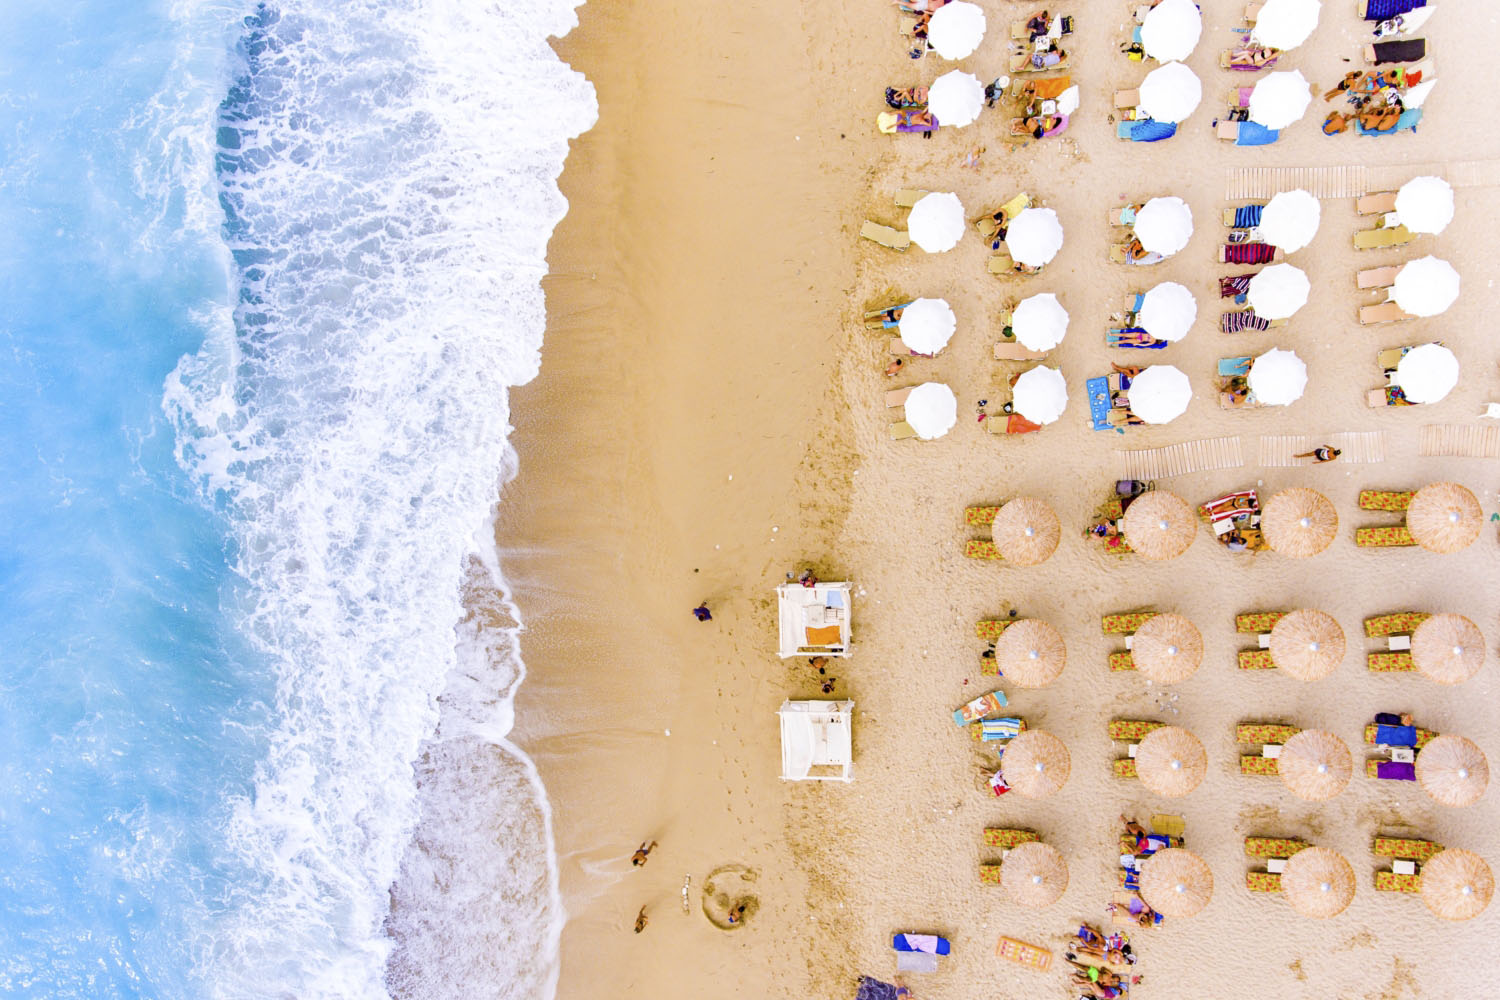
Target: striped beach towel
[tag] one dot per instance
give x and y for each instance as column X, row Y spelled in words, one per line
column 1232, row 286
column 1238, row 322
column 1248, row 253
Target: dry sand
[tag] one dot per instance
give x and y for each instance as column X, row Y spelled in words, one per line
column 709, row 417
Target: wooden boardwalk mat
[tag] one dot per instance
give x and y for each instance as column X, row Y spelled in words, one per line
column 1362, row 447
column 1244, row 183
column 1180, row 459
column 1463, row 440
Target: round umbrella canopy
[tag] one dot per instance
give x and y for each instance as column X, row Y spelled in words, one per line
column 1426, row 286
column 1170, row 761
column 1290, row 220
column 1299, row 522
column 1159, row 525
column 1176, row 883
column 1307, row 645
column 1447, row 648
column 1034, row 874
column 1278, row 377
column 1444, row 517
column 1170, row 93
column 932, row 410
column 1425, row 204
column 1171, row 30
column 926, row 325
column 1035, row 763
column 1040, row 322
column 956, row 30
column 1315, row 765
column 1164, row 225
column 936, row 221
column 1167, row 648
column 1168, row 311
column 1426, row 374
column 1040, row 394
column 1453, row 771
column 1457, row 885
column 1285, row 24
column 1278, row 291
column 1034, row 236
column 955, row 98
column 1030, row 654
column 1319, row 883
column 1026, row 531
column 1160, row 394
column 1280, row 99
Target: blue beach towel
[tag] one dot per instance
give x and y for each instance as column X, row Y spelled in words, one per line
column 1256, row 134
column 1247, row 216
column 1384, row 10
column 1146, row 130
column 1396, row 736
column 1098, row 390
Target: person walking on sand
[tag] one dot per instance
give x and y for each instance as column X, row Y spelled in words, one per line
column 1322, row 453
column 640, row 920
column 702, row 613
column 642, row 853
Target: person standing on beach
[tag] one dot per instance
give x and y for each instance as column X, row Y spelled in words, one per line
column 702, row 613
column 1322, row 453
column 640, row 920
column 642, row 854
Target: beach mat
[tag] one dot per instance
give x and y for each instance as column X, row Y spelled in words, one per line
column 1181, row 459
column 1360, row 447
column 1461, row 440
column 1021, row 953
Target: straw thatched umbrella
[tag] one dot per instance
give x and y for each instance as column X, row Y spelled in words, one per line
column 1444, row 517
column 1307, row 645
column 1299, row 522
column 1026, row 531
column 1167, row 648
column 1030, row 653
column 1447, row 648
column 1457, row 885
column 1176, row 883
column 1034, row 874
column 1170, row 761
column 1035, row 764
column 1159, row 525
column 1319, row 883
column 1453, row 771
column 1315, row 765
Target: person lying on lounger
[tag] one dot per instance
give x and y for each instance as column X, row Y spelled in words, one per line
column 1036, row 127
column 1350, row 79
column 1052, row 57
column 1038, row 24
column 1252, row 57
column 906, row 97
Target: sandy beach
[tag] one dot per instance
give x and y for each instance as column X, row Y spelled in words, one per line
column 710, row 418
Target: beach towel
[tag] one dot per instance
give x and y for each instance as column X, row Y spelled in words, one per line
column 979, row 708
column 1238, row 322
column 1255, row 134
column 1022, row 953
column 1098, row 392
column 1249, row 253
column 874, row 989
column 1247, row 216
column 1384, row 10
column 1396, row 736
column 1229, row 506
column 930, row 943
column 1395, row 770
column 999, row 729
column 1146, row 130
column 1407, row 50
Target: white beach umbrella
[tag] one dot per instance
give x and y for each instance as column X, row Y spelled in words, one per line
column 1425, row 204
column 1034, row 236
column 955, row 98
column 932, row 410
column 1278, row 291
column 1170, row 93
column 1417, row 96
column 1285, row 24
column 926, row 325
column 956, row 30
column 1164, row 225
column 1278, row 377
column 1167, row 311
column 1067, row 101
column 1171, row 30
column 936, row 222
column 1426, row 286
column 1159, row 394
column 1040, row 322
column 1040, row 395
column 1290, row 220
column 1427, row 373
column 1280, row 99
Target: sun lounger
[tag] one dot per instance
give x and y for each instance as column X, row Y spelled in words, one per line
column 1125, row 622
column 1384, row 10
column 1008, row 838
column 1253, row 622
column 980, row 517
column 1124, row 215
column 981, row 548
column 1255, row 659
column 1400, row 847
column 1264, row 732
column 886, row 236
column 1247, row 253
column 1395, row 501
column 1243, row 217
column 1127, row 98
column 1395, row 882
column 1377, row 277
column 1380, row 239
column 907, row 197
column 1027, row 955
column 898, row 397
column 1399, row 623
column 1119, row 253
column 902, row 431
column 1022, row 63
column 1391, row 536
column 1001, row 263
column 1258, row 764
column 1010, row 350
column 1389, row 662
column 1131, row 730
column 978, row 708
column 1121, row 660
column 1378, row 203
column 1248, row 58
column 1263, row 881
column 989, row 874
column 1124, row 767
column 1273, row 847
column 1385, row 312
column 992, row 730
column 1400, row 51
column 991, row 628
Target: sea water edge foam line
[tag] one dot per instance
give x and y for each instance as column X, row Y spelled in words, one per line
column 386, row 173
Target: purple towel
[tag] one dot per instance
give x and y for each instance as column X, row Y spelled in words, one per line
column 1395, row 770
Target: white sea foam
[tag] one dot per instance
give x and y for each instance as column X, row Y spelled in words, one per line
column 387, row 170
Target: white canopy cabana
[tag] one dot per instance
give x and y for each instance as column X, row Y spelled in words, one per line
column 817, row 740
column 814, row 621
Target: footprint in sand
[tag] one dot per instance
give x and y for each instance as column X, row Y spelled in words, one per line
column 726, row 895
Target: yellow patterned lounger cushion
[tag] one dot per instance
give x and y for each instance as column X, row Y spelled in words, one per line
column 989, row 874
column 1392, row 500
column 1272, row 847
column 1424, row 736
column 1263, row 732
column 1383, row 538
column 1391, row 882
column 1390, row 663
column 1129, row 729
column 1124, row 767
column 1400, row 623
column 1399, row 847
column 980, row 517
column 1258, row 765
column 989, row 667
column 1256, row 659
column 998, row 837
column 992, row 627
column 1263, row 881
column 1125, row 622
column 981, row 548
column 1257, row 621
column 1121, row 660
